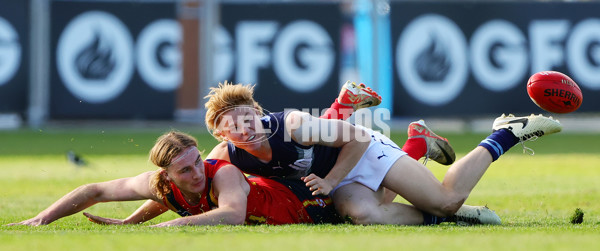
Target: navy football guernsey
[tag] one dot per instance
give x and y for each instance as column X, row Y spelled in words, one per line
column 289, row 159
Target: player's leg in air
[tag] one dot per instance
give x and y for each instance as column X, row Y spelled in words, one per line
column 421, row 142
column 351, row 98
column 439, row 201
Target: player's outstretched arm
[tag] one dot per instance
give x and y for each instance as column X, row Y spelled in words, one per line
column 231, row 190
column 146, row 211
column 149, row 210
column 125, row 189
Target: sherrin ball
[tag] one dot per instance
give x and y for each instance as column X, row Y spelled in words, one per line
column 554, row 92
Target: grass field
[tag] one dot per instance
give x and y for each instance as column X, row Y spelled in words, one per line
column 534, row 195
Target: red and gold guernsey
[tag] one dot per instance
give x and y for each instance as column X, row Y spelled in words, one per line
column 270, row 201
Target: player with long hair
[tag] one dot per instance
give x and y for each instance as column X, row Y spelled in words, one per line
column 357, row 164
column 421, row 142
column 353, row 163
column 182, row 199
column 208, row 192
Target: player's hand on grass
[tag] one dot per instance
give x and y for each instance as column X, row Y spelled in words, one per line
column 176, row 222
column 185, row 221
column 30, row 222
column 102, row 220
column 164, row 224
column 317, row 185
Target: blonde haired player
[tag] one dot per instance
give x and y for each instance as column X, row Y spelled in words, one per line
column 357, row 163
column 203, row 192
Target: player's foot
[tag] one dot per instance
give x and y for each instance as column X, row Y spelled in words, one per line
column 527, row 128
column 475, row 215
column 358, row 96
column 438, row 148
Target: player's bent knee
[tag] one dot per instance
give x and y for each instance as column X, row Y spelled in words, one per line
column 363, row 215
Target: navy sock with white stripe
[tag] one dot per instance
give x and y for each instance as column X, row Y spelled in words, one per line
column 499, row 142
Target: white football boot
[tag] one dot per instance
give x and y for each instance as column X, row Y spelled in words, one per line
column 475, row 215
column 527, row 128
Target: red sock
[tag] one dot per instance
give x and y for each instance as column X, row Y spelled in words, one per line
column 415, row 147
column 338, row 111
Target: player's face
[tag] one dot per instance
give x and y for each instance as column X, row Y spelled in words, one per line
column 242, row 127
column 187, row 171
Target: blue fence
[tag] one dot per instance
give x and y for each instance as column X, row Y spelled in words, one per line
column 122, row 59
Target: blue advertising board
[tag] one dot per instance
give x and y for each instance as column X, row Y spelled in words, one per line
column 289, row 50
column 14, row 44
column 474, row 58
column 114, row 59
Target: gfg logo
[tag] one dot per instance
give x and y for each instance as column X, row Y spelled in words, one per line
column 158, row 55
column 95, row 56
column 432, row 59
column 432, row 55
column 10, row 51
column 302, row 53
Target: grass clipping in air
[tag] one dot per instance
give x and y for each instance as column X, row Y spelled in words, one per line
column 577, row 217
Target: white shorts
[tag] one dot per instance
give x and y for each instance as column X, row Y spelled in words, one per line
column 375, row 163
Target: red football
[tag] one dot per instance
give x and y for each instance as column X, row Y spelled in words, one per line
column 554, row 92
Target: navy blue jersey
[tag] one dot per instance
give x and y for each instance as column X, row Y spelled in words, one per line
column 289, row 159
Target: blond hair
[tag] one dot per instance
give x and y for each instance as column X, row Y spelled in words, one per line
column 225, row 97
column 166, row 148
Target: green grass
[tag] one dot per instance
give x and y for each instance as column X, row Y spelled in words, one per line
column 94, row 142
column 534, row 195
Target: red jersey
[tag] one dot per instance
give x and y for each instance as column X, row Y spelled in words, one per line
column 270, row 201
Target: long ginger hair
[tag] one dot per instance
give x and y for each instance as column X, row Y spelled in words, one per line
column 166, row 148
